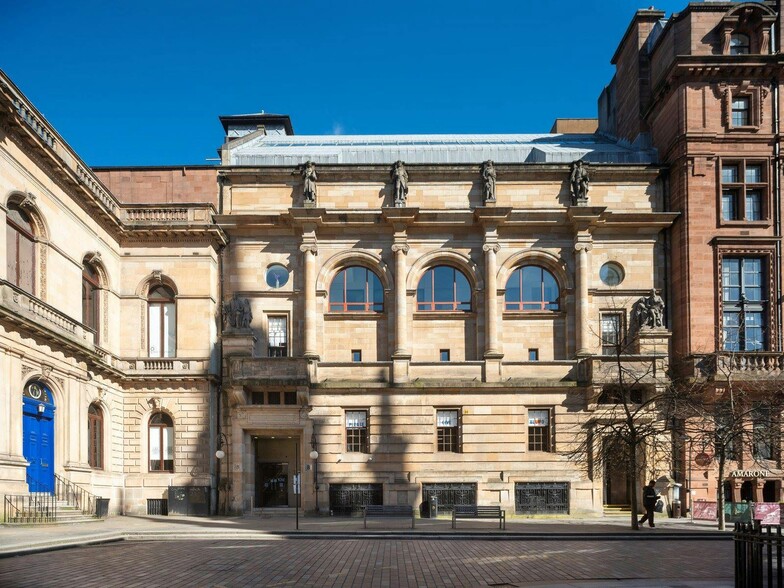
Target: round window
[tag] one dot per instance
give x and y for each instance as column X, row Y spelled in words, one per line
column 277, row 276
column 611, row 274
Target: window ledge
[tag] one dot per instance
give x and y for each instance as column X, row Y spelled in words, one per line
column 533, row 314
column 354, row 315
column 443, row 314
column 744, row 129
column 758, row 224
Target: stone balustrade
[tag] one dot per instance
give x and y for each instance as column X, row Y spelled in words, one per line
column 39, row 128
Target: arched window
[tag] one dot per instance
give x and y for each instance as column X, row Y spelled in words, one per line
column 161, row 322
column 356, row 289
column 20, row 248
column 91, row 287
column 161, row 443
column 739, row 44
column 531, row 288
column 444, row 288
column 95, row 436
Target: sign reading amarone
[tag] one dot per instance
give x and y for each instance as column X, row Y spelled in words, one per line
column 748, row 474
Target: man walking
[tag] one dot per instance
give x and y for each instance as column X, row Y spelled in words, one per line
column 649, row 498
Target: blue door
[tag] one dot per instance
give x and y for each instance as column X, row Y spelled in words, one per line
column 38, row 437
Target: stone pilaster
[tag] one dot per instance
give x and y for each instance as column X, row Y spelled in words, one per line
column 309, row 251
column 582, row 321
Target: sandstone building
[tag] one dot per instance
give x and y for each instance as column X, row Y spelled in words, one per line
column 391, row 317
column 702, row 87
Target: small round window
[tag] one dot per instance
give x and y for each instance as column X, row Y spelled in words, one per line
column 611, row 274
column 277, row 276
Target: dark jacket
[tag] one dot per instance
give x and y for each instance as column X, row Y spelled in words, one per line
column 649, row 497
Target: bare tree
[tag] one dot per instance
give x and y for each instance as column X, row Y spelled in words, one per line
column 729, row 406
column 631, row 408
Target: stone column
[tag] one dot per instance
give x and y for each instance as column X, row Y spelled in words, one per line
column 309, row 323
column 581, row 318
column 491, row 302
column 401, row 315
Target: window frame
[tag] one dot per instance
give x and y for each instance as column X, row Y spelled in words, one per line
column 542, row 305
column 433, row 304
column 734, row 48
column 91, row 300
column 367, row 306
column 357, row 437
column 744, row 306
column 161, row 427
column 449, row 439
column 20, row 232
column 95, row 436
column 161, row 304
column 740, row 189
column 612, row 347
column 278, row 350
column 540, row 442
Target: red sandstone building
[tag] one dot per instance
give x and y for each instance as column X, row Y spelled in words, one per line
column 702, row 87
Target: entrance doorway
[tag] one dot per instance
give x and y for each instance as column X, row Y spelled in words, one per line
column 38, row 436
column 616, row 479
column 272, row 484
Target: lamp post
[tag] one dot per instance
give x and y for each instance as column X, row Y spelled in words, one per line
column 223, row 440
column 314, row 456
column 688, row 478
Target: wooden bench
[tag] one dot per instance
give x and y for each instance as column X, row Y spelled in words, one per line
column 389, row 512
column 479, row 512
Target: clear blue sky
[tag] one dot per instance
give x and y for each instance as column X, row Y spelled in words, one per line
column 142, row 83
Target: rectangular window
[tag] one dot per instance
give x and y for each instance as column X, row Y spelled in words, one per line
column 740, row 111
column 762, row 437
column 273, row 397
column 278, row 336
column 357, row 431
column 539, row 429
column 533, row 355
column 444, row 354
column 726, row 431
column 290, row 398
column 744, row 189
column 612, row 333
column 356, row 355
column 448, row 426
column 744, row 323
column 729, row 205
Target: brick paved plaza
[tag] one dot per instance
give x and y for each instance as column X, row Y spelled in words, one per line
column 286, row 561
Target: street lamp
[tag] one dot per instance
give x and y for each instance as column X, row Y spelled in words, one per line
column 688, row 478
column 223, row 441
column 314, row 454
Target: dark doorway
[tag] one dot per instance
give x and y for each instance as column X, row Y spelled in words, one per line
column 747, row 491
column 769, row 493
column 616, row 480
column 272, row 484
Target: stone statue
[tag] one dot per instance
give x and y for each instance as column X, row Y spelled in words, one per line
column 236, row 313
column 400, row 179
column 309, row 178
column 579, row 183
column 648, row 311
column 488, row 175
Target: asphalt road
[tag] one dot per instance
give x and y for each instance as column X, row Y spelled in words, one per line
column 388, row 562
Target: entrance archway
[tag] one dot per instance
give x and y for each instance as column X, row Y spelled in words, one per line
column 38, row 436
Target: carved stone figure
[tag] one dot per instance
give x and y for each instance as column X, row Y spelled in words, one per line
column 488, row 175
column 579, row 182
column 400, row 180
column 236, row 313
column 648, row 311
column 309, row 178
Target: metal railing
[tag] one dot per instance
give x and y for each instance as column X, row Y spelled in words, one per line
column 74, row 495
column 37, row 507
column 758, row 555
